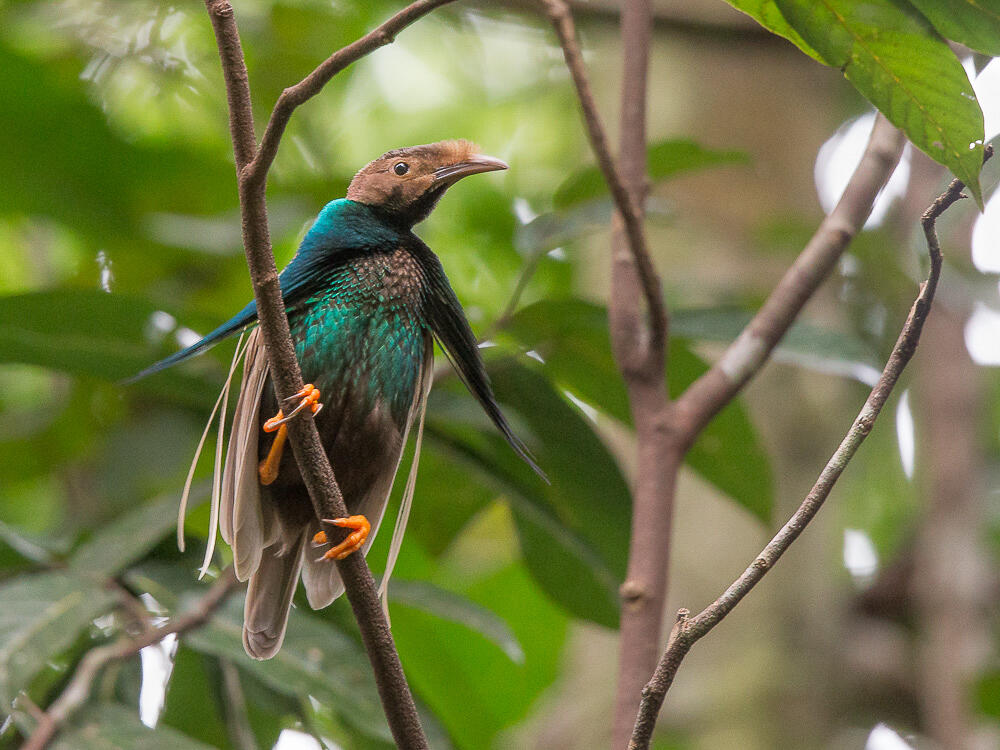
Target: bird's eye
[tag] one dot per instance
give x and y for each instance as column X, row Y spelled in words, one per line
column 401, row 168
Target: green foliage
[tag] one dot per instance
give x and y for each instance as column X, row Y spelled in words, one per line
column 664, row 160
column 119, row 236
column 899, row 61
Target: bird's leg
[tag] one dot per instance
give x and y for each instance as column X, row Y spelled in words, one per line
column 308, row 396
column 267, row 470
column 354, row 541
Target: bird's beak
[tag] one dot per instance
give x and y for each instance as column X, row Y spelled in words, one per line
column 474, row 164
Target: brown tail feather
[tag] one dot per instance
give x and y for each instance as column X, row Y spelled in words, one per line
column 269, row 599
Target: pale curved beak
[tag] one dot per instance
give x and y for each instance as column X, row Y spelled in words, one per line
column 475, row 164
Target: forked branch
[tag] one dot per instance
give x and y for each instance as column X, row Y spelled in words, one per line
column 688, row 630
column 252, row 165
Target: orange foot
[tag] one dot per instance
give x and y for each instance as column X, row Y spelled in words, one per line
column 308, row 396
column 267, row 470
column 354, row 541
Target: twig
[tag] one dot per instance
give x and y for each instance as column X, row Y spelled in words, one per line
column 235, row 708
column 747, row 354
column 689, row 630
column 77, row 691
column 638, row 355
column 312, row 84
column 314, row 466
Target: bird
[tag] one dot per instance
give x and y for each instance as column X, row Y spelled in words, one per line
column 366, row 299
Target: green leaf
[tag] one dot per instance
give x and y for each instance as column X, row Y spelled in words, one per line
column 315, row 660
column 127, row 538
column 664, row 160
column 575, row 528
column 805, row 344
column 85, row 332
column 974, row 23
column 113, row 727
column 473, row 688
column 895, row 59
column 768, row 15
column 40, row 616
column 194, row 700
column 448, row 606
column 571, row 336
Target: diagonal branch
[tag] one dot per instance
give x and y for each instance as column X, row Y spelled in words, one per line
column 252, row 167
column 645, row 357
column 688, row 630
column 747, row 354
column 312, row 84
column 77, row 691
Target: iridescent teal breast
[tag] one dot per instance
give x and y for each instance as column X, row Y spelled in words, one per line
column 363, row 333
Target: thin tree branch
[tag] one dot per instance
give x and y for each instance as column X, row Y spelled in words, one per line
column 314, row 466
column 751, row 349
column 77, row 691
column 688, row 630
column 641, row 356
column 639, row 347
column 312, row 84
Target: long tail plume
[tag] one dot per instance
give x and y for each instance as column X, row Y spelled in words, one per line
column 182, row 510
column 411, row 481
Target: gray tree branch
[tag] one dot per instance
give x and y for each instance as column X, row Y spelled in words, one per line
column 252, row 165
column 688, row 630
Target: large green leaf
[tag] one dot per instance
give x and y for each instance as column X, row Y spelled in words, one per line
column 448, row 606
column 127, row 538
column 40, row 616
column 768, row 15
column 474, row 689
column 805, row 344
column 110, row 726
column 88, row 332
column 974, row 23
column 896, row 59
column 315, row 660
column 664, row 160
column 571, row 336
column 575, row 528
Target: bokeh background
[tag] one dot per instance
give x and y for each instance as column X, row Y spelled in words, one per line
column 119, row 242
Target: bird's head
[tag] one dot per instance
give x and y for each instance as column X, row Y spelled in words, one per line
column 405, row 184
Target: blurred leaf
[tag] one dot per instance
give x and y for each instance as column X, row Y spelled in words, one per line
column 40, row 615
column 575, row 528
column 128, row 537
column 17, row 550
column 973, row 23
column 91, row 333
column 571, row 336
column 449, row 606
column 194, row 699
column 728, row 453
column 899, row 63
column 111, row 726
column 315, row 660
column 473, row 688
column 768, row 14
column 447, row 500
column 664, row 160
column 805, row 344
column 987, row 694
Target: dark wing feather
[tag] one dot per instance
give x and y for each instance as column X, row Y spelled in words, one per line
column 451, row 329
column 304, row 275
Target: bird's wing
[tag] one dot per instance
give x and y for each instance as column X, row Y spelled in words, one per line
column 304, row 274
column 447, row 320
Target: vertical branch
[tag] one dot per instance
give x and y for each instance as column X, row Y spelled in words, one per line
column 688, row 630
column 328, row 502
column 641, row 355
column 639, row 342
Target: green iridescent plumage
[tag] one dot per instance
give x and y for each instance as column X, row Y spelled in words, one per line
column 365, row 298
